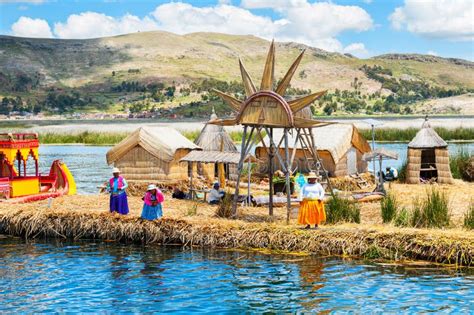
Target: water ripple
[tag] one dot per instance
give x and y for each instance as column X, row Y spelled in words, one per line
column 110, row 278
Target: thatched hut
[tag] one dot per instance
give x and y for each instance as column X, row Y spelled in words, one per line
column 152, row 154
column 340, row 148
column 428, row 157
column 214, row 141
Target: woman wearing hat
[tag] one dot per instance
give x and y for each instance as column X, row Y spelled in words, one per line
column 118, row 198
column 311, row 203
column 152, row 203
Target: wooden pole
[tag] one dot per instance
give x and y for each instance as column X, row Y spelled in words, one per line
column 248, row 182
column 243, row 149
column 287, row 175
column 191, row 181
column 270, row 172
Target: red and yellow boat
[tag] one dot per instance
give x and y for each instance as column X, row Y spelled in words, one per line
column 21, row 181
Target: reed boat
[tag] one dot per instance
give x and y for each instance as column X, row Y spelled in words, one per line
column 20, row 179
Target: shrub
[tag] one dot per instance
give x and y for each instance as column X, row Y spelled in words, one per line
column 224, row 210
column 402, row 172
column 402, row 218
column 342, row 210
column 435, row 209
column 469, row 217
column 431, row 212
column 460, row 165
column 389, row 208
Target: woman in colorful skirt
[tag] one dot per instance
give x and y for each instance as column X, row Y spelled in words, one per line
column 152, row 203
column 311, row 210
column 118, row 197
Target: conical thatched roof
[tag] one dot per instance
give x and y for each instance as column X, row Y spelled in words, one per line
column 161, row 142
column 215, row 138
column 427, row 138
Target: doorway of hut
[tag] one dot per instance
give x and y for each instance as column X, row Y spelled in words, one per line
column 226, row 170
column 428, row 164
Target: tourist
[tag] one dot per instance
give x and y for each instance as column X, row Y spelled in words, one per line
column 311, row 210
column 178, row 194
column 152, row 203
column 215, row 195
column 118, row 197
column 391, row 174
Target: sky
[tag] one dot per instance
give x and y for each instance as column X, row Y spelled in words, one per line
column 363, row 28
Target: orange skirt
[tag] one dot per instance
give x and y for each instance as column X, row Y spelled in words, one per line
column 311, row 212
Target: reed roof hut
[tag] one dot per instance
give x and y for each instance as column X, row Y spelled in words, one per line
column 428, row 157
column 340, row 148
column 219, row 157
column 152, row 154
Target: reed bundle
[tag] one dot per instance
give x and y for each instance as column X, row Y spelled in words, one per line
column 369, row 242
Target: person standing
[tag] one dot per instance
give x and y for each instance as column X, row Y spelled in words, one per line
column 118, row 197
column 311, row 210
column 152, row 203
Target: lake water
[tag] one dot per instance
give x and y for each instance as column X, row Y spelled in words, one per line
column 90, row 169
column 111, row 278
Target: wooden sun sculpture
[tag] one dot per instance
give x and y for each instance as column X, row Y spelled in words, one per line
column 266, row 109
column 267, row 106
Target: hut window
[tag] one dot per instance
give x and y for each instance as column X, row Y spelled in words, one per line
column 428, row 164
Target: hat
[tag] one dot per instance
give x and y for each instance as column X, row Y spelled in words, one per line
column 115, row 170
column 151, row 187
column 312, row 175
column 216, row 184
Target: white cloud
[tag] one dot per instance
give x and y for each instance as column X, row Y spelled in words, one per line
column 356, row 49
column 432, row 53
column 28, row 27
column 445, row 19
column 315, row 24
column 271, row 4
column 367, row 1
column 92, row 25
column 184, row 18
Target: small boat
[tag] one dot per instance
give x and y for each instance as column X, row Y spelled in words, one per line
column 20, row 180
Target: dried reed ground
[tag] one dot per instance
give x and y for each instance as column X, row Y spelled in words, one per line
column 87, row 217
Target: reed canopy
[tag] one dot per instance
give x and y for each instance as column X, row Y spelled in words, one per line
column 428, row 157
column 340, row 148
column 152, row 154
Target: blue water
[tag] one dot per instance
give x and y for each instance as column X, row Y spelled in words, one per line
column 111, row 278
column 90, row 169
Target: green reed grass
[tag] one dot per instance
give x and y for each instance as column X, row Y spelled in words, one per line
column 406, row 135
column 86, row 137
column 342, row 210
column 460, row 165
column 402, row 172
column 433, row 211
column 389, row 208
column 469, row 217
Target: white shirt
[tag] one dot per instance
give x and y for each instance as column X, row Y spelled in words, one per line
column 312, row 191
column 214, row 195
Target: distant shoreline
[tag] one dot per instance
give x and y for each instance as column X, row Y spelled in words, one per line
column 78, row 126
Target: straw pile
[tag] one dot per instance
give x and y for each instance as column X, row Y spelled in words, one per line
column 86, row 217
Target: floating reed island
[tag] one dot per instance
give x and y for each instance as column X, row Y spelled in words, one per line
column 190, row 223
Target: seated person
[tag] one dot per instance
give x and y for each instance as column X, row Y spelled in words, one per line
column 178, row 193
column 390, row 174
column 215, row 195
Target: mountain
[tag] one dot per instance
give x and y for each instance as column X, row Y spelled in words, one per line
column 171, row 57
column 97, row 65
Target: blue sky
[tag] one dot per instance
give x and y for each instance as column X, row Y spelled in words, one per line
column 362, row 27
